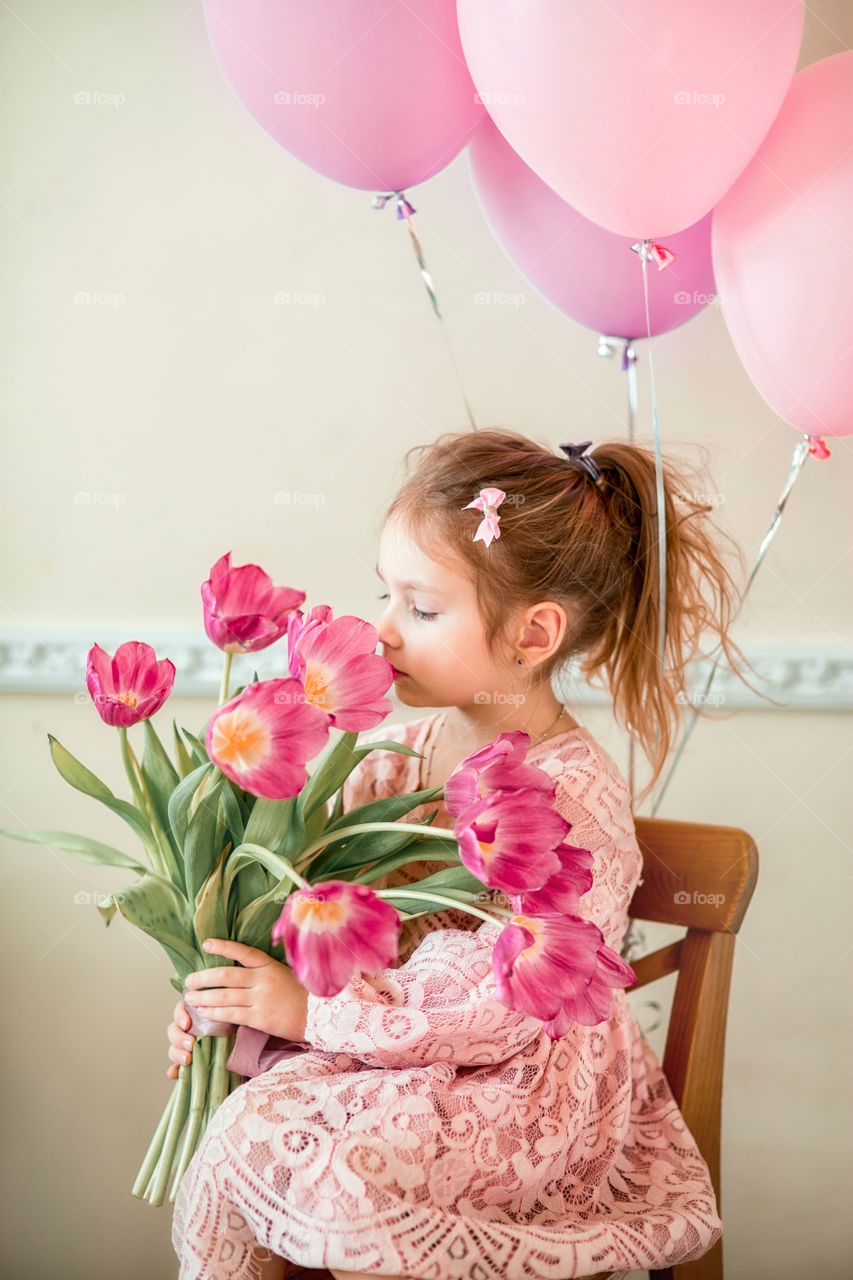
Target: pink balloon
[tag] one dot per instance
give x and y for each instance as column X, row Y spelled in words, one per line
column 640, row 115
column 589, row 273
column 372, row 93
column 782, row 244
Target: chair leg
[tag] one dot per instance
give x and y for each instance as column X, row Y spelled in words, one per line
column 708, row 1267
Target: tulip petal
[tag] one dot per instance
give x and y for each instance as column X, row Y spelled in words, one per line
column 335, row 929
column 335, row 659
column 263, row 738
column 129, row 687
column 243, row 611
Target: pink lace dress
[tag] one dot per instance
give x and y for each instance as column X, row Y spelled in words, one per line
column 424, row 1129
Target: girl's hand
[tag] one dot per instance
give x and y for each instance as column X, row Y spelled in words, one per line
column 180, row 1041
column 257, row 992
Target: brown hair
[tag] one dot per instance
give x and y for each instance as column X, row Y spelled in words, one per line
column 592, row 550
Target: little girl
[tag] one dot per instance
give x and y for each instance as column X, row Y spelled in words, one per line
column 416, row 1126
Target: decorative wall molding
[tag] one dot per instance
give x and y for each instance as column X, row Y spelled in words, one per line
column 801, row 676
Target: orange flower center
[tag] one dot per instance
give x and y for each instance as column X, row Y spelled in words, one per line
column 487, row 848
column 317, row 689
column 317, row 913
column 535, row 927
column 129, row 698
column 240, row 738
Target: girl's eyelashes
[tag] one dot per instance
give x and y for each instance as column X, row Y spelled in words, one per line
column 418, row 613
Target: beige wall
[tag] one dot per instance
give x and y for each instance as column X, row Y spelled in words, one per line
column 198, row 399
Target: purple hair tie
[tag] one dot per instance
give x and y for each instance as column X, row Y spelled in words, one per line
column 575, row 452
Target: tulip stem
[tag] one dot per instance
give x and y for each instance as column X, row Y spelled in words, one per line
column 423, row 896
column 332, row 837
column 137, row 786
column 198, row 1097
column 154, row 1149
column 226, row 672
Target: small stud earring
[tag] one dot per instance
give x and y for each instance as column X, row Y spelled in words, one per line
column 520, row 661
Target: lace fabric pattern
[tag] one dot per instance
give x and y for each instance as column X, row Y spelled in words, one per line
column 431, row 1132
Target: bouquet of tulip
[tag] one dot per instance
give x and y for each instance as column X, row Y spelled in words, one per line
column 241, row 842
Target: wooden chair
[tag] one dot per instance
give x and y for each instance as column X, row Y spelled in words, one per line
column 702, row 878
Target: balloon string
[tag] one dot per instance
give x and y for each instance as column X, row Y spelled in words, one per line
column 629, row 366
column 405, row 210
column 607, row 348
column 808, row 445
column 659, row 490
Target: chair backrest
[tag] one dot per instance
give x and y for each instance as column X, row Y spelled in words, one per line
column 702, row 878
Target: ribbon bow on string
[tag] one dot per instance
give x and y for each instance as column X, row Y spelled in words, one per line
column 487, row 500
column 404, row 209
column 818, row 447
column 657, row 252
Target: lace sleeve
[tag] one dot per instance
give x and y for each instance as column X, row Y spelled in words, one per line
column 440, row 1006
column 597, row 802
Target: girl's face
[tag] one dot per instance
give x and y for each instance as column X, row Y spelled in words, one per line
column 431, row 629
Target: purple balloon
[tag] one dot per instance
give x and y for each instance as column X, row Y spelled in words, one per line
column 373, row 93
column 588, row 272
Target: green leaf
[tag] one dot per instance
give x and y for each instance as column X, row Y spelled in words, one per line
column 161, row 778
column 362, row 751
column 453, row 882
column 199, row 753
column 438, row 850
column 241, row 856
column 387, row 810
column 200, row 842
column 180, row 800
column 82, row 779
column 157, row 908
column 185, row 763
column 334, row 767
column 210, row 918
column 269, row 822
column 253, row 925
column 358, row 850
column 81, row 846
column 233, row 814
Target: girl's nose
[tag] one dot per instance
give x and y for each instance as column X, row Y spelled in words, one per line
column 388, row 634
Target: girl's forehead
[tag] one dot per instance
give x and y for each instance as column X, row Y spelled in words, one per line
column 403, row 553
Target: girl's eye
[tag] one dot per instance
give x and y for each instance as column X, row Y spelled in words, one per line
column 418, row 613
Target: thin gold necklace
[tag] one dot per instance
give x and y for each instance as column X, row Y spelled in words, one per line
column 437, row 728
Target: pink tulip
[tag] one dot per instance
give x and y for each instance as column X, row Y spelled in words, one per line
column 243, row 611
column 130, row 687
column 263, row 738
column 507, row 840
column 554, row 968
column 595, row 1004
column 335, row 660
column 561, row 894
column 497, row 766
column 335, row 929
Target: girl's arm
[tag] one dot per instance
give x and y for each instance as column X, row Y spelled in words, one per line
column 440, row 1006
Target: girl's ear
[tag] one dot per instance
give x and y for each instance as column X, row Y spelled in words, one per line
column 542, row 629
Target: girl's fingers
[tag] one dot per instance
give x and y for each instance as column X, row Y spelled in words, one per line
column 180, row 1015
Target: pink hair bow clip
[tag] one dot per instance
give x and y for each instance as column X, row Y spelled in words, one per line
column 487, row 500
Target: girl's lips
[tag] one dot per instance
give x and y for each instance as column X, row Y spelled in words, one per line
column 397, row 672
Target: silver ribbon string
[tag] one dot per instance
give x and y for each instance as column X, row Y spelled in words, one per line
column 809, row 444
column 607, row 348
column 405, row 211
